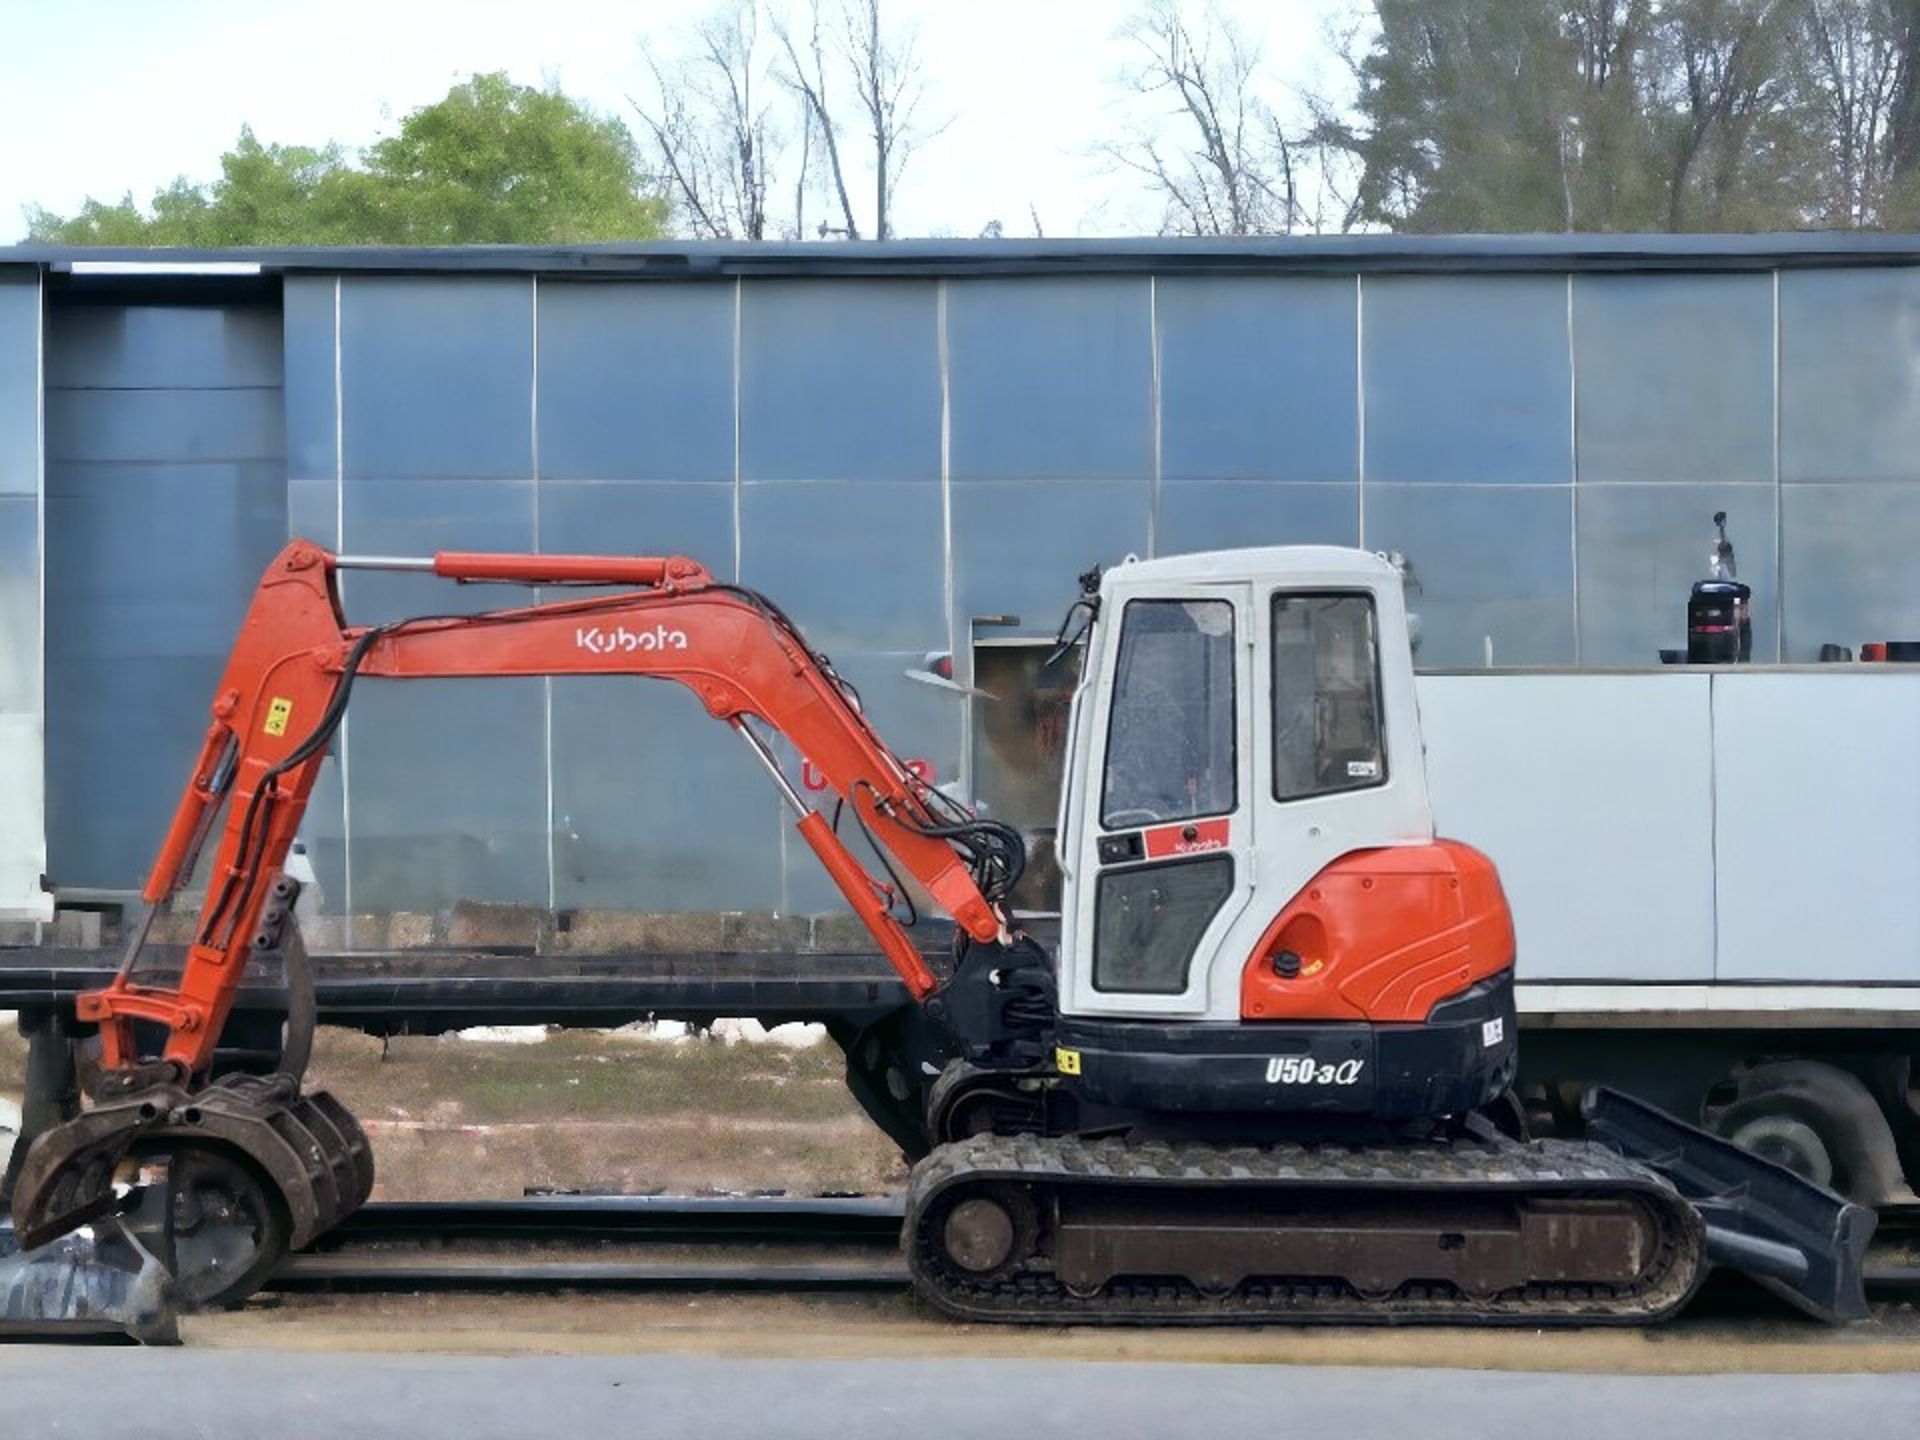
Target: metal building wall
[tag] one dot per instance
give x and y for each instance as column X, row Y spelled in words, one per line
column 891, row 456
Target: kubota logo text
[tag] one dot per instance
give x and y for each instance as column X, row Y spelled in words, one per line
column 622, row 641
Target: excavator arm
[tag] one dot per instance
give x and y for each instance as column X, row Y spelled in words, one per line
column 295, row 665
column 279, row 704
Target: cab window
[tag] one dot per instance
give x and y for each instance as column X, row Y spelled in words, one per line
column 1170, row 731
column 1326, row 696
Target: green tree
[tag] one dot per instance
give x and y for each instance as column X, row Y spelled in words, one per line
column 492, row 163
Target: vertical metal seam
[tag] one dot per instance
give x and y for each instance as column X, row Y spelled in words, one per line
column 1573, row 468
column 948, row 586
column 1779, row 499
column 1360, row 403
column 1153, row 341
column 40, row 534
column 738, row 287
column 342, row 749
column 546, row 681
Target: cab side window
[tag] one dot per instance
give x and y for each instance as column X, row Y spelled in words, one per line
column 1326, row 695
column 1170, row 745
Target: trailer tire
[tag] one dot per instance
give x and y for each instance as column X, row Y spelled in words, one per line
column 1812, row 1116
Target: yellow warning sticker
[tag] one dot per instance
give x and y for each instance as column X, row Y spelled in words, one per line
column 1066, row 1061
column 279, row 711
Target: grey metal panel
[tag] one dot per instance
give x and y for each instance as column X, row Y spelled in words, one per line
column 1467, row 380
column 446, row 779
column 636, row 381
column 140, row 426
column 1675, row 377
column 437, row 378
column 313, row 513
column 1641, row 549
column 1050, row 379
column 1603, row 833
column 150, row 559
column 1848, row 564
column 1849, row 388
column 148, row 574
column 307, row 344
column 165, row 347
column 839, row 380
column 447, row 790
column 1491, row 561
column 1222, row 514
column 657, row 518
column 657, row 806
column 19, row 383
column 323, row 831
column 856, row 565
column 20, row 606
column 418, row 517
column 1817, row 785
column 1257, row 378
column 147, row 560
column 1018, row 549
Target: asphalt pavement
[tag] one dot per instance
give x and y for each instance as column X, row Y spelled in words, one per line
column 108, row 1394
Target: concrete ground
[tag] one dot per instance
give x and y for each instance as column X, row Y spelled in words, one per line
column 139, row 1395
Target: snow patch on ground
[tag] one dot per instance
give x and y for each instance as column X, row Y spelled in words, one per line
column 793, row 1036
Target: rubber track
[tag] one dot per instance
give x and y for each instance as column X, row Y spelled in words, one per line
column 1547, row 1168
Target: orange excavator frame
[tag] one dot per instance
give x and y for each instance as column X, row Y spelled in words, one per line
column 296, row 660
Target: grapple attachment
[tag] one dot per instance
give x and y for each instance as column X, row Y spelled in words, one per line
column 310, row 1151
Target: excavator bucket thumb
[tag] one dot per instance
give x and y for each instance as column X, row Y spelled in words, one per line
column 1796, row 1238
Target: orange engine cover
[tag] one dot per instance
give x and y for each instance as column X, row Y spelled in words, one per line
column 1383, row 935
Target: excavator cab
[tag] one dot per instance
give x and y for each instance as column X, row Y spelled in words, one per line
column 1256, row 914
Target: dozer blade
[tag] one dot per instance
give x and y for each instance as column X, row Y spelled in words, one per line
column 1798, row 1239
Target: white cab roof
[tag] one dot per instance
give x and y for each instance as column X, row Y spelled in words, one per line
column 1294, row 564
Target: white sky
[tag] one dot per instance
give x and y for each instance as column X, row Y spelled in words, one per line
column 103, row 97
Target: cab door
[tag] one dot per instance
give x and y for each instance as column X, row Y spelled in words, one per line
column 1160, row 812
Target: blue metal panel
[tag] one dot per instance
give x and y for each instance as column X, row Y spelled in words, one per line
column 1641, row 549
column 1676, row 377
column 447, row 788
column 139, row 426
column 437, row 378
column 308, row 347
column 839, row 380
column 1257, row 378
column 313, row 513
column 446, row 780
column 1227, row 514
column 657, row 518
column 418, row 517
column 164, row 347
column 1847, row 555
column 1017, row 549
column 19, row 605
column 148, row 572
column 1050, row 379
column 856, row 565
column 1849, row 387
column 636, row 381
column 1467, row 380
column 656, row 806
column 19, row 383
column 1491, row 561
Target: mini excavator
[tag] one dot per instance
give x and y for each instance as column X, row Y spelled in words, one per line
column 1263, row 1078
